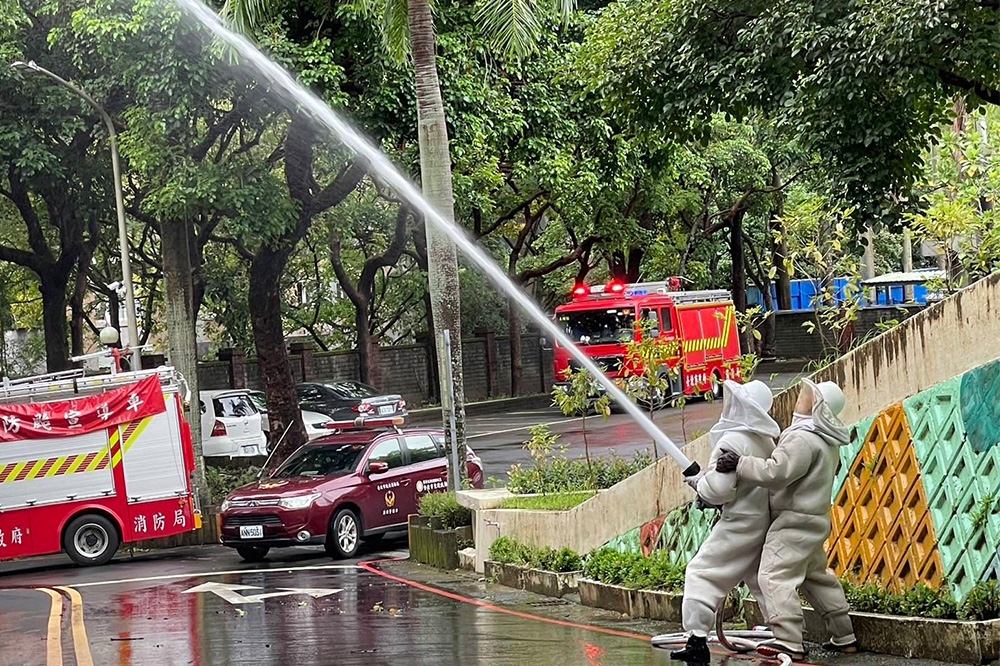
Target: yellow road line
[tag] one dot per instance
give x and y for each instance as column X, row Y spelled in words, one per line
column 80, row 643
column 53, row 642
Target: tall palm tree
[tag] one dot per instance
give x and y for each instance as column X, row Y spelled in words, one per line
column 407, row 28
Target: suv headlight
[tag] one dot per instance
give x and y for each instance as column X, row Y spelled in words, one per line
column 225, row 505
column 301, row 502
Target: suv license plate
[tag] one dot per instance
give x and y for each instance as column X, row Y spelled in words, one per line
column 252, row 532
column 386, row 409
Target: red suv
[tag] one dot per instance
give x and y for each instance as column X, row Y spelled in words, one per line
column 340, row 490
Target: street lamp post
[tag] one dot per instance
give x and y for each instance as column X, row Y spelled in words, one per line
column 133, row 329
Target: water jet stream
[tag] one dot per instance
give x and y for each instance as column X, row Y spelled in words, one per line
column 278, row 77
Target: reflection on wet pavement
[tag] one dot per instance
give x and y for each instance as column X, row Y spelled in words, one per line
column 371, row 621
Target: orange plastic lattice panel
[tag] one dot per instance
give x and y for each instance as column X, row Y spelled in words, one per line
column 842, row 552
column 881, row 569
column 923, row 556
column 914, row 508
column 884, row 531
column 871, row 546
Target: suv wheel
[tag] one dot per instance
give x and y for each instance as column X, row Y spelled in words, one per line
column 344, row 538
column 253, row 553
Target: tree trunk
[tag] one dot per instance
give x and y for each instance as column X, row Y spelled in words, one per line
column 435, row 178
column 54, row 322
column 272, row 356
column 368, row 364
column 779, row 253
column 182, row 337
column 625, row 265
column 77, row 324
column 514, row 335
column 739, row 274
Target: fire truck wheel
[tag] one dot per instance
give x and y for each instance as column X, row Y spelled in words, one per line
column 343, row 541
column 252, row 553
column 90, row 540
column 717, row 387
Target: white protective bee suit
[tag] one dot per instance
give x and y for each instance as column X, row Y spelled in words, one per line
column 731, row 552
column 800, row 474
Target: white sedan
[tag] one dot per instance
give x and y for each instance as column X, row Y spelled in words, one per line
column 231, row 425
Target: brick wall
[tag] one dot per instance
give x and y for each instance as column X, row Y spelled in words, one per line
column 404, row 369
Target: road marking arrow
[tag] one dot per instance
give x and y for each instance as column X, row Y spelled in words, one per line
column 314, row 592
column 231, row 593
column 225, row 591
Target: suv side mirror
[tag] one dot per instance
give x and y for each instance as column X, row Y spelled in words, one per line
column 378, row 467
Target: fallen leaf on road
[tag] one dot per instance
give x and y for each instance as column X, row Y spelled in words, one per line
column 378, row 608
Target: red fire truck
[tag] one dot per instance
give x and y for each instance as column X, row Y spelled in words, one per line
column 90, row 462
column 602, row 319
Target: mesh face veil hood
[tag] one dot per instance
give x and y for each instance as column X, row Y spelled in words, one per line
column 745, row 409
column 828, row 402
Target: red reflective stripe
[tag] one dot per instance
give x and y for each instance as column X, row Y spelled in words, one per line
column 6, row 470
column 24, row 471
column 87, row 459
column 129, row 429
column 104, row 463
column 47, row 466
column 65, row 466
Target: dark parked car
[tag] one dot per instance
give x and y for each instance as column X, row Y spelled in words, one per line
column 354, row 402
column 339, row 491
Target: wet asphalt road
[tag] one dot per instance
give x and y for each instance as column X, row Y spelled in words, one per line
column 203, row 607
column 143, row 612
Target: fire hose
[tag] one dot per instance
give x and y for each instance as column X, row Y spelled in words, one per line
column 739, row 641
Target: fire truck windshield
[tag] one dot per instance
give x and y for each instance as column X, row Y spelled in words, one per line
column 599, row 326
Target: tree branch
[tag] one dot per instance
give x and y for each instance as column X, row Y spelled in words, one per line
column 982, row 91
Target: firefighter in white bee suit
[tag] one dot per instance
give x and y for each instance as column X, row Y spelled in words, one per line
column 800, row 476
column 731, row 552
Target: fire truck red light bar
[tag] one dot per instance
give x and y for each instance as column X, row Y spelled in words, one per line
column 580, row 291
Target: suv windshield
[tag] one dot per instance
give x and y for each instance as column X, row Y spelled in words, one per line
column 597, row 327
column 333, row 460
column 233, row 406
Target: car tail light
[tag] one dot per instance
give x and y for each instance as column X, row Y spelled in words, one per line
column 401, row 404
column 362, row 408
column 219, row 429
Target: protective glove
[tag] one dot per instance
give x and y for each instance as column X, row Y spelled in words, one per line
column 692, row 481
column 727, row 462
